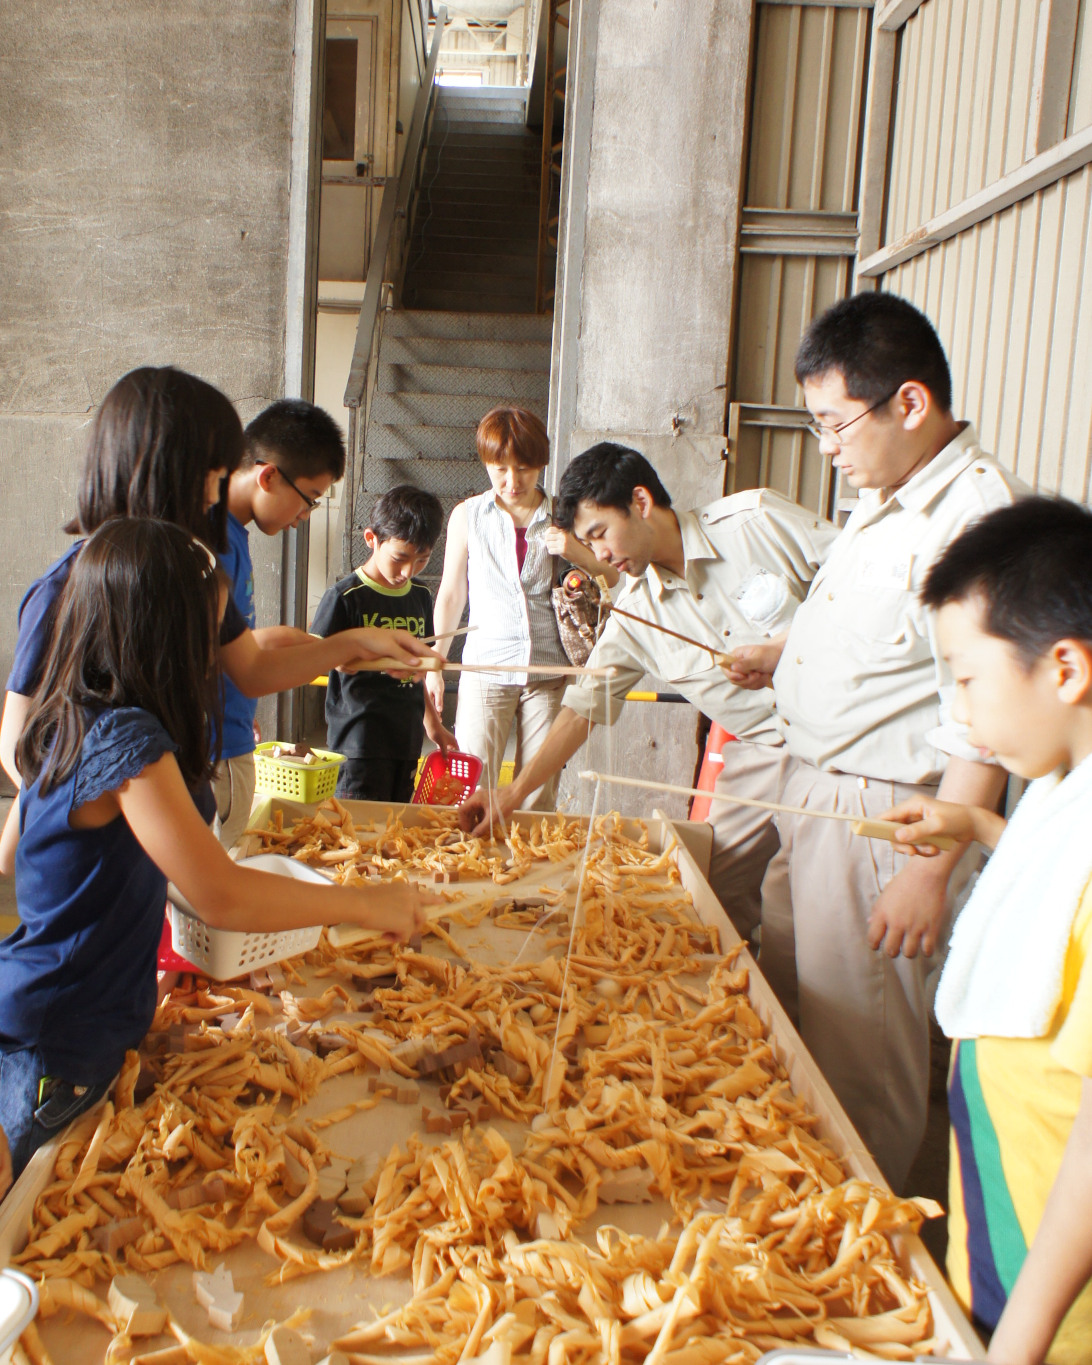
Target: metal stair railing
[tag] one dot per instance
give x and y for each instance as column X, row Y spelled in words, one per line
column 383, row 284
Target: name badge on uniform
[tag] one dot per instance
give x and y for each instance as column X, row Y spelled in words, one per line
column 889, row 573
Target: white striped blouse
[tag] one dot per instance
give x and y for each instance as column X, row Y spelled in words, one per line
column 511, row 610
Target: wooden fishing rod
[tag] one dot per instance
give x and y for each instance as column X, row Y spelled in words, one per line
column 863, row 825
column 718, row 655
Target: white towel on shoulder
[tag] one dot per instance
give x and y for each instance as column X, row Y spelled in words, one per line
column 1003, row 977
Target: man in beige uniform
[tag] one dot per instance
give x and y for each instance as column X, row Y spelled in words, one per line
column 860, row 691
column 730, row 573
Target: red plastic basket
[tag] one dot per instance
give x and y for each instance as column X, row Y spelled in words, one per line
column 463, row 768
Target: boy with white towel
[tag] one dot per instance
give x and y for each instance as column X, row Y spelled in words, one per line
column 1013, row 596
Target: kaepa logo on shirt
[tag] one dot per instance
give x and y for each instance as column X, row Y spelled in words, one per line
column 414, row 624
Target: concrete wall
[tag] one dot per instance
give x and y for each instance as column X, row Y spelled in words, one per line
column 146, row 155
column 655, row 116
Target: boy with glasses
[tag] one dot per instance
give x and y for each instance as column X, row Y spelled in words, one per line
column 862, row 695
column 294, row 452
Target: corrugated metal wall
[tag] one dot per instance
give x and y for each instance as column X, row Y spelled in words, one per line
column 985, row 213
column 941, row 150
column 798, row 234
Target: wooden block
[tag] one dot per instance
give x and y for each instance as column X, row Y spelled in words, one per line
column 595, row 1035
column 300, row 1035
column 217, row 1294
column 436, row 1122
column 331, row 1179
column 546, row 1228
column 368, row 984
column 322, row 1227
column 135, row 1307
column 451, row 875
column 285, row 1347
column 517, row 1072
column 259, row 980
column 629, row 1186
column 229, row 1023
column 294, row 1179
column 354, row 1201
column 406, row 1090
column 410, row 1051
column 277, row 978
column 438, row 876
column 381, row 1080
column 113, row 1237
column 216, row 1191
column 325, row 1043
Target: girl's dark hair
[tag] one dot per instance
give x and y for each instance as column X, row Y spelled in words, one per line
column 605, row 476
column 1030, row 567
column 137, row 626
column 156, row 436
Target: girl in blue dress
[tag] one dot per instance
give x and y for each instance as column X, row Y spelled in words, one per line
column 115, row 745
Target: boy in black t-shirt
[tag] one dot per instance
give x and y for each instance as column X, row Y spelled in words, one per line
column 375, row 720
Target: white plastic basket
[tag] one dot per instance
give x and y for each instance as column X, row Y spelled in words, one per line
column 228, row 953
column 18, row 1307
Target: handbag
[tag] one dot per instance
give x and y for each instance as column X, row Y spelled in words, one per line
column 580, row 613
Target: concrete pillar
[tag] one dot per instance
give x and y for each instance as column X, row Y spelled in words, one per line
column 651, row 191
column 147, row 156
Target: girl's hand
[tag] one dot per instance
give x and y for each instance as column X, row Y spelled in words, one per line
column 396, row 909
column 371, row 642
column 923, row 816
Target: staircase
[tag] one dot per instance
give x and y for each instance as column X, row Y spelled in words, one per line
column 439, row 374
column 475, row 234
column 467, row 337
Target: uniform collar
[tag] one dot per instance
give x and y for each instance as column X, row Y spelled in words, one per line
column 928, row 483
column 695, row 546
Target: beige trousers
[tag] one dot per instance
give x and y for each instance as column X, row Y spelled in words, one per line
column 233, row 788
column 863, row 1016
column 484, row 718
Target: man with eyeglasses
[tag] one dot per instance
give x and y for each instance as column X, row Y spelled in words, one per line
column 861, row 692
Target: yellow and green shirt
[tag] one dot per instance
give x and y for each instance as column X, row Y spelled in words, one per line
column 1012, row 1103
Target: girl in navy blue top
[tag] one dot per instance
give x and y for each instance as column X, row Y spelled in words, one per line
column 116, row 741
column 163, row 444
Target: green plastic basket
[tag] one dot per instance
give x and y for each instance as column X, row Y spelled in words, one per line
column 299, row 781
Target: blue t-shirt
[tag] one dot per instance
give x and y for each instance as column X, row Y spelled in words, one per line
column 239, row 710
column 38, row 609
column 78, row 976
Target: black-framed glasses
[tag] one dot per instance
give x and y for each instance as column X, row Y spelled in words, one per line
column 311, row 503
column 835, row 433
